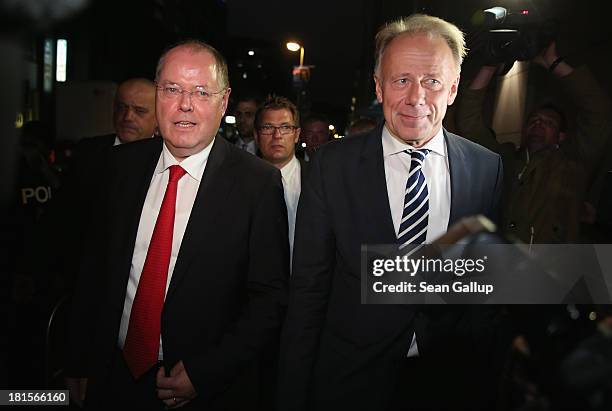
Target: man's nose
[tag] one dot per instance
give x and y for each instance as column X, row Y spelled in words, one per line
column 415, row 94
column 186, row 104
column 128, row 114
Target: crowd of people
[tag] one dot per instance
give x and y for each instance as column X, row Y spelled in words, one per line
column 213, row 273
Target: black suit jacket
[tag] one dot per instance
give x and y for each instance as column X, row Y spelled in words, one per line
column 227, row 294
column 303, row 172
column 336, row 352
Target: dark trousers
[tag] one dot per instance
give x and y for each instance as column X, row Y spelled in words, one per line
column 435, row 384
column 121, row 391
column 412, row 391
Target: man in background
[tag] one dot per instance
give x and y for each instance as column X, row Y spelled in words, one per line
column 547, row 177
column 277, row 132
column 315, row 133
column 133, row 115
column 245, row 123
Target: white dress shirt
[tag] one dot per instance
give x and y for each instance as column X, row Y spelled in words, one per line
column 247, row 146
column 185, row 197
column 437, row 177
column 292, row 186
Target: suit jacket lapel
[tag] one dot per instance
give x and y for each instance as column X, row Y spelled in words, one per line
column 376, row 224
column 459, row 177
column 303, row 171
column 216, row 183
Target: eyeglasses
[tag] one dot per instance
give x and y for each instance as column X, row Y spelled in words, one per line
column 268, row 129
column 173, row 91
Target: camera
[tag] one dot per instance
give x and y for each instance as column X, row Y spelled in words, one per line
column 515, row 35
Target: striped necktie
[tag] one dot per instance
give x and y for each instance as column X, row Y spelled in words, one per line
column 415, row 217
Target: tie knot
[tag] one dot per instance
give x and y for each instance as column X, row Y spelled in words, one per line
column 419, row 153
column 176, row 172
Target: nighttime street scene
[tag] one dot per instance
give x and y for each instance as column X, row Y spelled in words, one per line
column 387, row 205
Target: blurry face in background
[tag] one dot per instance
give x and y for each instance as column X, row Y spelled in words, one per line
column 542, row 130
column 189, row 124
column 245, row 118
column 134, row 111
column 416, row 82
column 276, row 148
column 315, row 134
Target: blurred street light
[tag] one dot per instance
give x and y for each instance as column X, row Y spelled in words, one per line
column 293, row 46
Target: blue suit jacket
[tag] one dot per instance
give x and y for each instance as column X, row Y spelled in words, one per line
column 335, row 351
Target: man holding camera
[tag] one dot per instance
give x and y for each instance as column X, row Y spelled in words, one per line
column 546, row 179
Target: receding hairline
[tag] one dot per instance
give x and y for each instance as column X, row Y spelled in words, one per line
column 195, row 47
column 421, row 24
column 183, row 47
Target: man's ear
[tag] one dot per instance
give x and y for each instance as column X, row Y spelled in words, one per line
column 453, row 90
column 379, row 93
column 226, row 99
column 562, row 136
column 297, row 135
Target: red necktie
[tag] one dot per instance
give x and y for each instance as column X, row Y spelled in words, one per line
column 141, row 349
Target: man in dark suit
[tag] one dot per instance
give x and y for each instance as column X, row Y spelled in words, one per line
column 315, row 133
column 246, row 106
column 133, row 120
column 404, row 183
column 277, row 131
column 184, row 284
column 63, row 229
column 133, row 116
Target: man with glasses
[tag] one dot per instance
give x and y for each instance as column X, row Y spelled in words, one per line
column 185, row 270
column 277, row 132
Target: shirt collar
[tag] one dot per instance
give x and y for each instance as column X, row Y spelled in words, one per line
column 289, row 168
column 118, row 141
column 392, row 145
column 194, row 165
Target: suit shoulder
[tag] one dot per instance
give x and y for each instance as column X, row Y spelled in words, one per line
column 95, row 143
column 347, row 147
column 141, row 146
column 471, row 147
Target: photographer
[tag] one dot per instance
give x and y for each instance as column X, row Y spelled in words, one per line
column 547, row 177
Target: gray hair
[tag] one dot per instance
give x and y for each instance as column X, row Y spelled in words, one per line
column 421, row 24
column 196, row 46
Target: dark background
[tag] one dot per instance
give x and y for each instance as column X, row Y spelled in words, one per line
column 115, row 40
